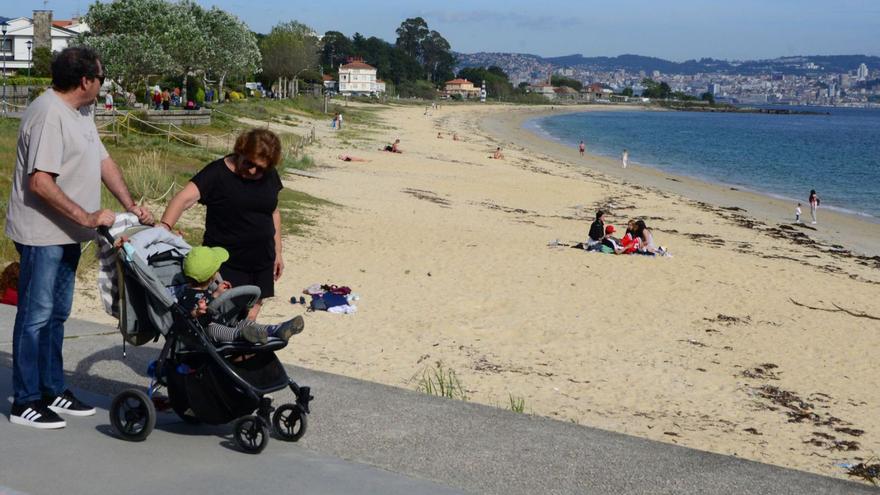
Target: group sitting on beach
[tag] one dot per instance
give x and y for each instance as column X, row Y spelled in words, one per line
column 638, row 238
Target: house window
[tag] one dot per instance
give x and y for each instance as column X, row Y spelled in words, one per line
column 6, row 51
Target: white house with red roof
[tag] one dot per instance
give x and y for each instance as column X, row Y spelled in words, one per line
column 38, row 30
column 357, row 78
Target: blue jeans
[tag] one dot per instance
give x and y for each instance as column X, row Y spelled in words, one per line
column 45, row 295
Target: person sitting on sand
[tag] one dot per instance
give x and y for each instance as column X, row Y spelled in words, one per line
column 498, row 155
column 630, row 241
column 610, row 244
column 393, row 147
column 349, row 158
column 647, row 240
column 455, row 136
column 439, row 136
column 597, row 232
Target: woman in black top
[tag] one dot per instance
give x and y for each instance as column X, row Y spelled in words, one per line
column 240, row 192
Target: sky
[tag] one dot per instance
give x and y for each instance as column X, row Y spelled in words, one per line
column 672, row 29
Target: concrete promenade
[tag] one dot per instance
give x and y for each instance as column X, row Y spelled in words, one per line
column 363, row 438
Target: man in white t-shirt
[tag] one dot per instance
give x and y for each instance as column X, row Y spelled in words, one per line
column 55, row 204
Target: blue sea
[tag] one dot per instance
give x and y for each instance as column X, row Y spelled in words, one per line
column 781, row 155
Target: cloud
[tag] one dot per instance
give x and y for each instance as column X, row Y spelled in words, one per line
column 520, row 20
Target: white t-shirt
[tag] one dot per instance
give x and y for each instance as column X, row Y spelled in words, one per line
column 54, row 138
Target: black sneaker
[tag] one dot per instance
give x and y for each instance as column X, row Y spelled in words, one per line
column 36, row 415
column 66, row 403
column 287, row 329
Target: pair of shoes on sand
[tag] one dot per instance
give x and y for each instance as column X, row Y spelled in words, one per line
column 259, row 334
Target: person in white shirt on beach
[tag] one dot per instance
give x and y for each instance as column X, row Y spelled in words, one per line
column 625, row 158
column 814, row 204
column 797, row 214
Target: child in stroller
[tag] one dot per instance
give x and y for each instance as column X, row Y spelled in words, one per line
column 201, row 267
column 207, row 381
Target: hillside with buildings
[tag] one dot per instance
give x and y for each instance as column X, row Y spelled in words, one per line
column 802, row 80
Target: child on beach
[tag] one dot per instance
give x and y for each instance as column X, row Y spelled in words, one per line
column 797, row 214
column 582, row 148
column 498, row 155
column 201, row 267
column 625, row 158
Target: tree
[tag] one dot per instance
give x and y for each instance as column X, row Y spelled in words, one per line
column 410, row 35
column 566, row 81
column 707, row 96
column 656, row 90
column 336, row 49
column 288, row 49
column 437, row 57
column 627, row 91
column 42, row 62
column 186, row 40
column 234, row 49
column 126, row 35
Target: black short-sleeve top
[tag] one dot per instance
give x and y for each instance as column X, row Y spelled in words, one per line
column 239, row 214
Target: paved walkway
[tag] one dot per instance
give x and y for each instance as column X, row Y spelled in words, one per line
column 362, row 438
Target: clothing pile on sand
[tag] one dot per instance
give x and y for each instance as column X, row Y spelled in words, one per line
column 331, row 298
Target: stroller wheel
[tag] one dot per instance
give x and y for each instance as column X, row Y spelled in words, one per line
column 289, row 422
column 132, row 415
column 251, row 434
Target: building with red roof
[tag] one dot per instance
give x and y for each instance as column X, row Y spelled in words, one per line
column 358, row 78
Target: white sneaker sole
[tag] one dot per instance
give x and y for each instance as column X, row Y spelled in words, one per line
column 61, row 410
column 18, row 420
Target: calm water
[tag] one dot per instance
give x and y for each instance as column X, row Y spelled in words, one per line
column 781, row 155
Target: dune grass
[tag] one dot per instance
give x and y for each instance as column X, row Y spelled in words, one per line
column 441, row 381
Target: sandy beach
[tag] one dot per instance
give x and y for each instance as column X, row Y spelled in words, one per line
column 754, row 339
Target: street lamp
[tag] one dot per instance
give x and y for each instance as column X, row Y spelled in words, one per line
column 29, row 44
column 3, row 27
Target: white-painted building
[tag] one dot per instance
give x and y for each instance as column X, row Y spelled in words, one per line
column 359, row 79
column 14, row 50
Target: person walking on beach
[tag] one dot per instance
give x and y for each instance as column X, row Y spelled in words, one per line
column 582, row 148
column 625, row 158
column 814, row 204
column 55, row 205
column 797, row 214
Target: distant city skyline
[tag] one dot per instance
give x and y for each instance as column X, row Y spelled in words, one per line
column 681, row 30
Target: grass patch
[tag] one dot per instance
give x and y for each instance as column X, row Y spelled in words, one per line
column 442, row 382
column 517, row 403
column 298, row 211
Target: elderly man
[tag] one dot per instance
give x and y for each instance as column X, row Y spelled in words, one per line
column 55, row 204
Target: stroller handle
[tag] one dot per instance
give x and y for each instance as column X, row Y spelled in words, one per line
column 104, row 232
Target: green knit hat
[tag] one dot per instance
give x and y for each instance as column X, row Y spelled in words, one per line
column 202, row 262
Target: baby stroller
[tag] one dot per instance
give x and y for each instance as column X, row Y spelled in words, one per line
column 206, row 382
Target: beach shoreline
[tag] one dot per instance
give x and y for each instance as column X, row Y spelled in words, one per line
column 857, row 233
